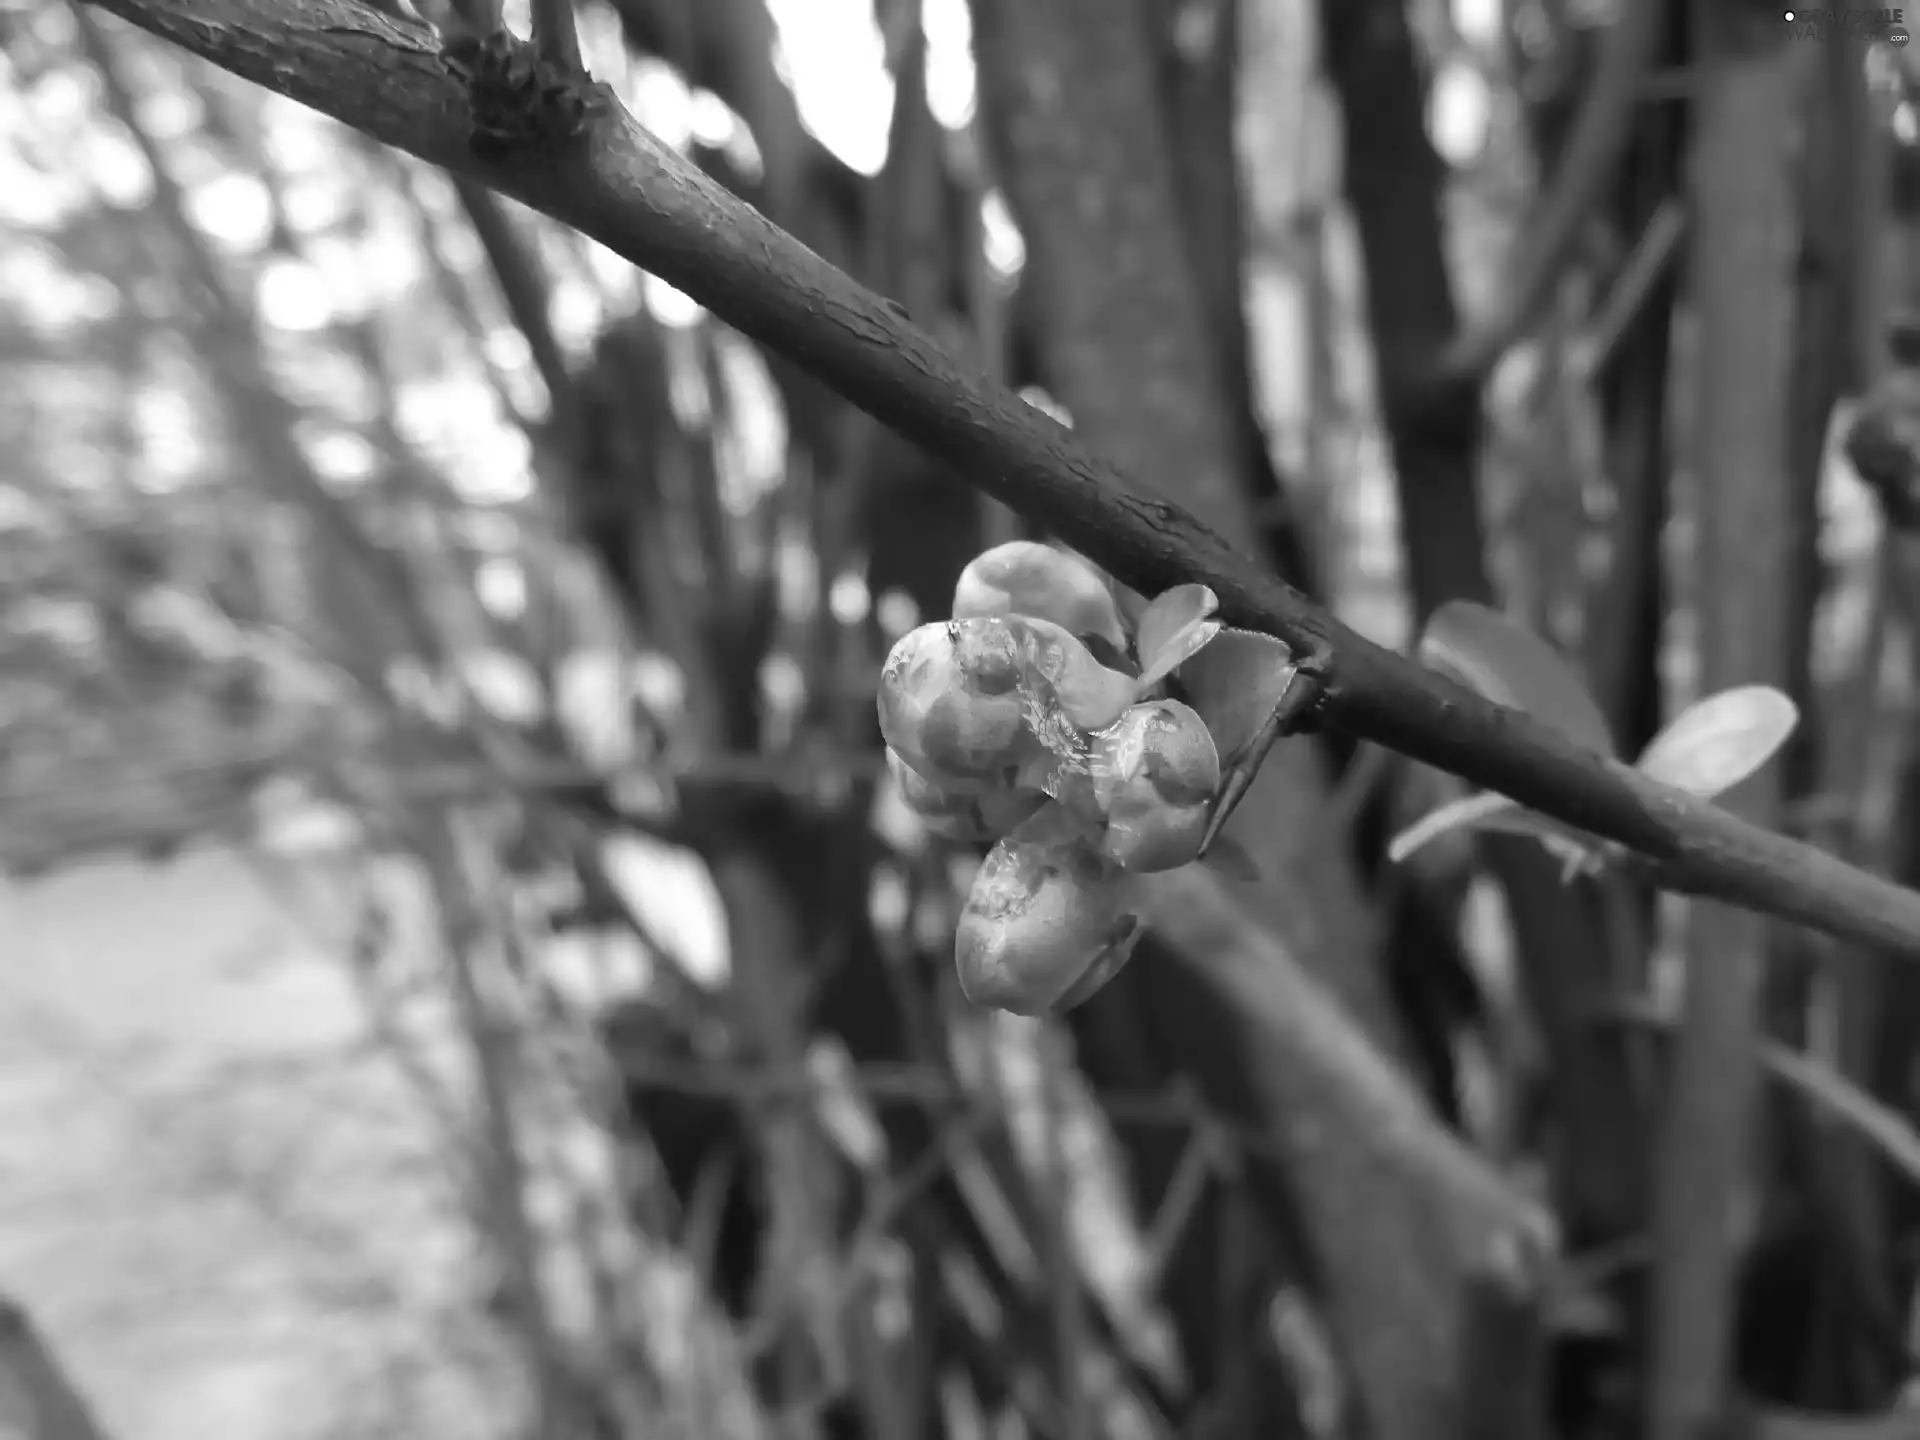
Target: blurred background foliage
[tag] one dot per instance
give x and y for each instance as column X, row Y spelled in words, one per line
column 405, row 594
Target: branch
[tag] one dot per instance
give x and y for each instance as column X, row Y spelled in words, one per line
column 620, row 186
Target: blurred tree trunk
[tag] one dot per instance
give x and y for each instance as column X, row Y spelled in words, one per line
column 1126, row 343
column 1070, row 93
column 1744, row 255
column 795, row 883
column 37, row 1400
column 1822, row 1351
column 1198, row 53
column 1626, row 620
column 1395, row 183
column 1626, row 615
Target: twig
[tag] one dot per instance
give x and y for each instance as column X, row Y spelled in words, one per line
column 618, row 184
column 1594, row 348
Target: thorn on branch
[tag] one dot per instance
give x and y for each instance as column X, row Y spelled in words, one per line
column 1295, row 714
column 521, row 98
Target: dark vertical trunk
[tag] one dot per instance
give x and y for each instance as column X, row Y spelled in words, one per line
column 1069, row 87
column 1198, row 54
column 1743, row 260
column 1395, row 185
column 1628, row 617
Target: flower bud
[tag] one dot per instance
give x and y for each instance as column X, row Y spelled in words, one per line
column 951, row 707
column 1069, row 686
column 1048, row 921
column 968, row 819
column 1025, row 578
column 1158, row 772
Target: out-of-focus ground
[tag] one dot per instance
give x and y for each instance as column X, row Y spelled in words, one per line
column 211, row 1195
column 218, row 1200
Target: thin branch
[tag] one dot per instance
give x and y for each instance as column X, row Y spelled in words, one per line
column 523, row 287
column 1650, row 261
column 619, row 185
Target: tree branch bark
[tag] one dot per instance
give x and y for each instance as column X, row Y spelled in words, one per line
column 622, row 187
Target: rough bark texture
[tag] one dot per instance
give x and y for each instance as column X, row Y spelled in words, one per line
column 1745, row 246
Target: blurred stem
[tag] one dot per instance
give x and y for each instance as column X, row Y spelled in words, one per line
column 524, row 289
column 1069, row 1321
column 37, row 1400
column 1745, row 244
column 503, row 1168
column 1436, row 431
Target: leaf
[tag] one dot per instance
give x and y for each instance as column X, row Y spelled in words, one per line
column 1484, row 811
column 1088, row 694
column 1719, row 741
column 1512, row 666
column 1164, row 635
column 1234, row 683
column 1180, row 648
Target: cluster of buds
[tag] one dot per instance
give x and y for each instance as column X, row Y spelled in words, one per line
column 1039, row 717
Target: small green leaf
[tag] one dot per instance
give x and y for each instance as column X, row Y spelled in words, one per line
column 1481, row 812
column 1181, row 647
column 1234, row 683
column 1718, row 742
column 1512, row 666
column 1089, row 695
column 1163, row 636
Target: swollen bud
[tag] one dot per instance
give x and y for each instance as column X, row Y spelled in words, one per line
column 966, row 818
column 1068, row 683
column 1158, row 772
column 1047, row 923
column 950, row 705
column 1025, row 578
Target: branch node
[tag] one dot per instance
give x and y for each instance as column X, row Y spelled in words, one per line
column 520, row 101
